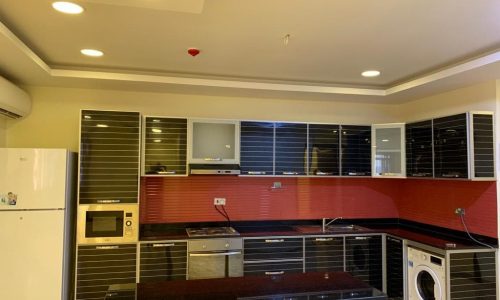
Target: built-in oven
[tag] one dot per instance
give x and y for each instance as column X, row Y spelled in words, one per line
column 107, row 223
column 215, row 258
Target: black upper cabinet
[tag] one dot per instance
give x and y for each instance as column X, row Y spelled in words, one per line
column 290, row 149
column 256, row 148
column 355, row 150
column 419, row 149
column 165, row 146
column 109, row 157
column 483, row 145
column 450, row 147
column 324, row 149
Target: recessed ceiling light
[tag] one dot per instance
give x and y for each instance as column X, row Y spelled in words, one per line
column 370, row 73
column 92, row 52
column 67, row 7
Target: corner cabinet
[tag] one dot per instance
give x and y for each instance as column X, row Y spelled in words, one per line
column 109, row 157
column 165, row 146
column 453, row 147
column 388, row 150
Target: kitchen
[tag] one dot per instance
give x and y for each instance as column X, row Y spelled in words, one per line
column 56, row 108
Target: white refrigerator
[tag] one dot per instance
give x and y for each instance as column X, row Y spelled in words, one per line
column 36, row 223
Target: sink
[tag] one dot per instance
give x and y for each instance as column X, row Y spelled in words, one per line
column 335, row 228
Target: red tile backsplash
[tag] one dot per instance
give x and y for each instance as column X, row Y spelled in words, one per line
column 190, row 199
column 434, row 202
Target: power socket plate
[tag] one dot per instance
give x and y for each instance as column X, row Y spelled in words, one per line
column 219, row 201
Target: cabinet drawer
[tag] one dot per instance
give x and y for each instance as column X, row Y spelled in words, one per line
column 324, row 254
column 163, row 261
column 273, row 248
column 273, row 268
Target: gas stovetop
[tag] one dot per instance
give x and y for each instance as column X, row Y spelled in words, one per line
column 211, row 231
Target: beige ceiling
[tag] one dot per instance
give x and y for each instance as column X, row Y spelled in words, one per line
column 414, row 43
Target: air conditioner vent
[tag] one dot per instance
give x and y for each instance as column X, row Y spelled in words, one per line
column 9, row 114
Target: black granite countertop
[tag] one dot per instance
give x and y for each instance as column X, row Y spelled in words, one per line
column 264, row 287
column 433, row 236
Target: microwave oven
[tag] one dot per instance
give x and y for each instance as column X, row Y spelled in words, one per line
column 107, row 223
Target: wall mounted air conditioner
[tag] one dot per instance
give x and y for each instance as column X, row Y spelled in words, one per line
column 14, row 102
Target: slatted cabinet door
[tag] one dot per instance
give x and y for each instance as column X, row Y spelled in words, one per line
column 473, row 276
column 324, row 254
column 395, row 272
column 451, row 147
column 324, row 150
column 109, row 157
column 355, row 150
column 163, row 261
column 484, row 152
column 165, row 146
column 257, row 148
column 100, row 266
column 290, row 149
column 419, row 153
column 364, row 258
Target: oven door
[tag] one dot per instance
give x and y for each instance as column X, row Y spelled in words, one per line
column 215, row 264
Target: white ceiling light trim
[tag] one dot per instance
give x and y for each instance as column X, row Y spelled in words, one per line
column 67, row 7
column 92, row 52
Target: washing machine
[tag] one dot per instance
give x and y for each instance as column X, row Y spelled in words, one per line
column 426, row 275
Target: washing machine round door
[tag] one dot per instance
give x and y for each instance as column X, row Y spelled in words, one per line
column 427, row 284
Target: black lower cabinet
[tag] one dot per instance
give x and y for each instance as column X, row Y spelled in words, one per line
column 162, row 261
column 363, row 258
column 473, row 276
column 324, row 254
column 395, row 271
column 273, row 256
column 99, row 267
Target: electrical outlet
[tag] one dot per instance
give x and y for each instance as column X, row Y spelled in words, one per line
column 459, row 211
column 276, row 185
column 219, row 201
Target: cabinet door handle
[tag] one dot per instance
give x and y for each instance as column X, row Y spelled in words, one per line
column 394, row 240
column 213, row 159
column 164, row 245
column 362, row 238
column 290, row 173
column 275, row 273
column 324, row 239
column 107, row 247
column 256, row 173
column 450, row 175
column 356, row 173
column 275, row 241
column 323, row 173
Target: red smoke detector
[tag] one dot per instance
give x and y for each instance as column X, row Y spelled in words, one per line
column 193, row 51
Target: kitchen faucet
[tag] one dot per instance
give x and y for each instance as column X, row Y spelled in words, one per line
column 325, row 224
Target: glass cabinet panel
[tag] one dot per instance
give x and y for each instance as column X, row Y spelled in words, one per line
column 214, row 141
column 388, row 150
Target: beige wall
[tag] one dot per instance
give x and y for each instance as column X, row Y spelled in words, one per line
column 54, row 119
column 477, row 97
column 3, row 137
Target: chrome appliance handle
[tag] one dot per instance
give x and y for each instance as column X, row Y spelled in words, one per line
column 205, row 254
column 164, row 245
column 275, row 241
column 212, row 159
